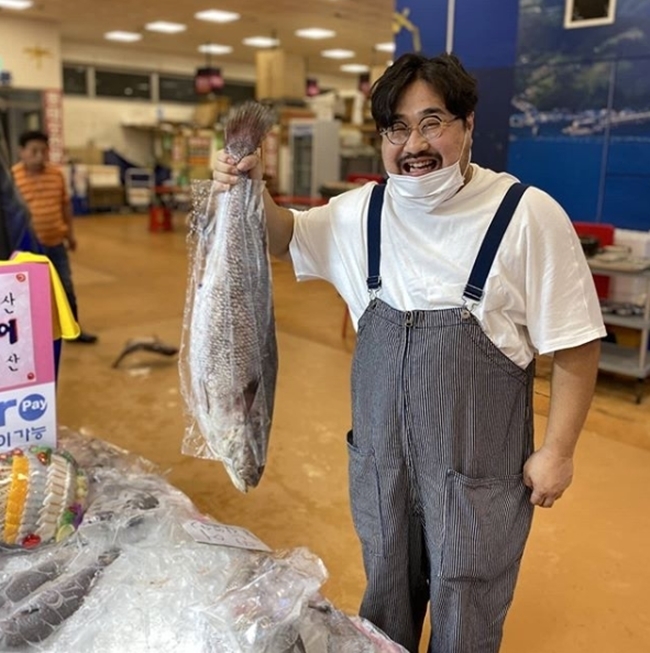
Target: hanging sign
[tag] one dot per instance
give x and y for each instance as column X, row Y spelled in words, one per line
column 53, row 119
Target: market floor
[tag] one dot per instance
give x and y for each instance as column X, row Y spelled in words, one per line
column 585, row 578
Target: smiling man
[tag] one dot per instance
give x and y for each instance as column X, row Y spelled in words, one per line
column 455, row 276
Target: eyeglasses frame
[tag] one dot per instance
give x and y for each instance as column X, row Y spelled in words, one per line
column 443, row 126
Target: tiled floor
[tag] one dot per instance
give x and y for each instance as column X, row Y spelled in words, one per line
column 585, row 580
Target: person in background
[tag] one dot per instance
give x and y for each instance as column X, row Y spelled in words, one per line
column 455, row 277
column 42, row 186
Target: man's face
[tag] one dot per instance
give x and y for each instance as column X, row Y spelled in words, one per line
column 34, row 155
column 418, row 104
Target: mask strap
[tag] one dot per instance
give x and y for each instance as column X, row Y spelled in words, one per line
column 469, row 158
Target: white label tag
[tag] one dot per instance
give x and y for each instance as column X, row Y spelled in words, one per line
column 211, row 532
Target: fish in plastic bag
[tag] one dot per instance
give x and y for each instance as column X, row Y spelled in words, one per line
column 229, row 360
column 36, row 620
column 328, row 630
column 264, row 602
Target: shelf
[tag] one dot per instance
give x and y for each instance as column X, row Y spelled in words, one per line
column 612, row 270
column 616, row 358
column 632, row 322
column 622, row 360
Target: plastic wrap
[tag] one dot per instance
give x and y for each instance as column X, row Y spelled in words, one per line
column 265, row 601
column 132, row 579
column 228, row 359
column 228, row 356
column 328, row 630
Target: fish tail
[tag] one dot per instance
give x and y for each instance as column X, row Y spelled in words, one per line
column 246, row 128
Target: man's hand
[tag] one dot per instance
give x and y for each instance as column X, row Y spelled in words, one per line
column 279, row 220
column 72, row 242
column 547, row 474
column 226, row 172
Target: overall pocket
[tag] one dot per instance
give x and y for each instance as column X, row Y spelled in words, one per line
column 486, row 525
column 365, row 498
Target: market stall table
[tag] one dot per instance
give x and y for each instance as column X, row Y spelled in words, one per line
column 139, row 575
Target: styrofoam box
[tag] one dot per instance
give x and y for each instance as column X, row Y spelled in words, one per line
column 104, row 176
column 630, row 289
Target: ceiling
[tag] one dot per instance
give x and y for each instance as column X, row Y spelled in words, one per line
column 359, row 25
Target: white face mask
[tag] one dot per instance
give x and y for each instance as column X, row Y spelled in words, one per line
column 429, row 191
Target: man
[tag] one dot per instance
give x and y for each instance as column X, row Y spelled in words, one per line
column 43, row 187
column 453, row 292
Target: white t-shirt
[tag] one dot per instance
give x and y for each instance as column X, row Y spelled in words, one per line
column 539, row 295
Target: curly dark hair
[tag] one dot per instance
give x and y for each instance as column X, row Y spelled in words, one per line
column 444, row 73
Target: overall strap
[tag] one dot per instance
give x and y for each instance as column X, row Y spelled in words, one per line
column 491, row 241
column 374, row 237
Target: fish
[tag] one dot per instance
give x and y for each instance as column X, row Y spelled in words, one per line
column 23, row 583
column 145, row 344
column 230, row 345
column 46, row 611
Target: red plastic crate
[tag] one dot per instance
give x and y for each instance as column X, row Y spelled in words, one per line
column 605, row 235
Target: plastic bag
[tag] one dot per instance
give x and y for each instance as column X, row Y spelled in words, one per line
column 228, row 357
column 132, row 579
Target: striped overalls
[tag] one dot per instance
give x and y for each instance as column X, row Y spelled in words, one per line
column 442, row 426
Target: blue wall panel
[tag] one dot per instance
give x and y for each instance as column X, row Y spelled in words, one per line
column 542, row 34
column 430, row 16
column 485, row 32
column 627, row 202
column 568, row 171
column 490, row 139
column 565, row 109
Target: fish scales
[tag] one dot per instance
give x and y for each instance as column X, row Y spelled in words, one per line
column 233, row 358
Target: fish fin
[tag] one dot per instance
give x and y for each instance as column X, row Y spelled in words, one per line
column 250, row 392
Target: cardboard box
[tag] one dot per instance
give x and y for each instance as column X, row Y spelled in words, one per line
column 279, row 75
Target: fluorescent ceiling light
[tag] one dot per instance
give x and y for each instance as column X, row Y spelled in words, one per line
column 261, row 42
column 217, row 16
column 337, row 54
column 315, row 33
column 215, row 48
column 16, row 4
column 354, row 68
column 125, row 37
column 165, row 27
column 385, row 47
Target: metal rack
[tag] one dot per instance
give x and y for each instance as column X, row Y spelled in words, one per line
column 139, row 184
column 627, row 361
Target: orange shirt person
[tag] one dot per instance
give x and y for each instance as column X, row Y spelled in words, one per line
column 43, row 188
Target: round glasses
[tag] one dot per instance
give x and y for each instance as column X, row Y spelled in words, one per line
column 430, row 129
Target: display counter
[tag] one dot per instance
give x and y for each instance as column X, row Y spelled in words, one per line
column 139, row 574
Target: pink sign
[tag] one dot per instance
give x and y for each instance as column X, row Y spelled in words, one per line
column 27, row 375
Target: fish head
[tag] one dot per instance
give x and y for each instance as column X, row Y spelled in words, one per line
column 245, row 462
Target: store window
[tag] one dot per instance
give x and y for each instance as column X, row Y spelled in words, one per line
column 238, row 91
column 182, row 89
column 177, row 89
column 130, row 86
column 589, row 13
column 75, row 80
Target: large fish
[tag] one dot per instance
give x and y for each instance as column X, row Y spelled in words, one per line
column 229, row 361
